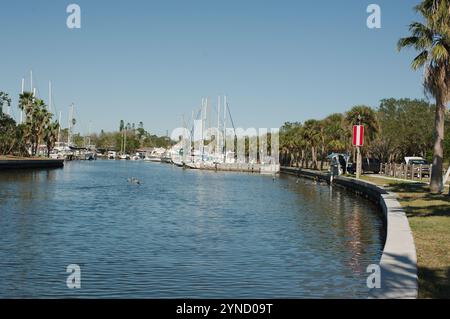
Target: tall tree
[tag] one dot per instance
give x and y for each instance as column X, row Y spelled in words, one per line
column 432, row 40
column 334, row 133
column 51, row 136
column 26, row 101
column 291, row 143
column 364, row 115
column 41, row 122
column 4, row 99
column 406, row 128
column 7, row 134
column 37, row 120
column 312, row 136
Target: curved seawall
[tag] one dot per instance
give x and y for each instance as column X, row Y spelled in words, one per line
column 399, row 261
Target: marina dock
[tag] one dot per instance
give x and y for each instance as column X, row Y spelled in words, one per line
column 237, row 167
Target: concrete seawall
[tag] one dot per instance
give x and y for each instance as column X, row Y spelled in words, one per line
column 30, row 164
column 306, row 173
column 399, row 261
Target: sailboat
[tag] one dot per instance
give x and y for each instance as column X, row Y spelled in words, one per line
column 206, row 152
column 203, row 153
column 124, row 156
column 123, row 148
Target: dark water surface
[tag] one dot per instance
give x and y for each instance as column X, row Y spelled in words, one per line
column 181, row 233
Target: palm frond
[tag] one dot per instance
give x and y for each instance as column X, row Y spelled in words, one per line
column 420, row 60
column 407, row 42
column 420, row 30
column 439, row 52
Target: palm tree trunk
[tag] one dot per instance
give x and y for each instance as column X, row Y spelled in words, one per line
column 303, row 158
column 322, row 155
column 436, row 184
column 314, row 157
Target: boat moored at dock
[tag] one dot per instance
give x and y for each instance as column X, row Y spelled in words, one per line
column 217, row 148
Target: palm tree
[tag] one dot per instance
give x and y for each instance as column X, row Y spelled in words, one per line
column 37, row 118
column 432, row 40
column 26, row 104
column 51, row 136
column 41, row 119
column 26, row 101
column 334, row 132
column 311, row 135
column 4, row 99
column 287, row 143
column 361, row 115
column 7, row 133
column 364, row 115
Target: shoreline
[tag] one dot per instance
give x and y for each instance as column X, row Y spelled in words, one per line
column 8, row 163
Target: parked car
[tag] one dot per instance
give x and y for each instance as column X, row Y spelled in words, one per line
column 417, row 161
column 410, row 159
column 369, row 165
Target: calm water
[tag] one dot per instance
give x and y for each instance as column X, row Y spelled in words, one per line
column 181, row 234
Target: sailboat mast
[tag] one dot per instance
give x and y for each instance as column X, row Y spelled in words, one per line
column 124, row 151
column 184, row 138
column 89, row 133
column 201, row 127
column 205, row 125
column 70, row 124
column 59, row 126
column 121, row 142
column 31, row 81
column 21, row 92
column 49, row 96
column 218, row 150
column 208, row 112
column 225, row 126
column 192, row 123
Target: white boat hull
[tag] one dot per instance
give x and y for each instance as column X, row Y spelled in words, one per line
column 153, row 159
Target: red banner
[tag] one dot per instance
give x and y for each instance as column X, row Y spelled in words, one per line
column 358, row 135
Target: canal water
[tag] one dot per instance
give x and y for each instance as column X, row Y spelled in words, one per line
column 182, row 233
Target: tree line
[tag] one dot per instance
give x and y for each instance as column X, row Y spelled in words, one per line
column 395, row 129
column 129, row 138
column 37, row 127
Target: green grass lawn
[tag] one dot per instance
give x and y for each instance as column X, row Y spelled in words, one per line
column 429, row 217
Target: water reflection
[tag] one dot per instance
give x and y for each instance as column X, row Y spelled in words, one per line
column 346, row 213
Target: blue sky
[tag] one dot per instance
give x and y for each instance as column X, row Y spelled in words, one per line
column 152, row 61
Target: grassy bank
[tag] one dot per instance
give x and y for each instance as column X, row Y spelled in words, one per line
column 429, row 217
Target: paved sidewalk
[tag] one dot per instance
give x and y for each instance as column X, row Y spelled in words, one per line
column 402, row 180
column 398, row 179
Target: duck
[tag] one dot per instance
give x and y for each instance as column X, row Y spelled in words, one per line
column 134, row 180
